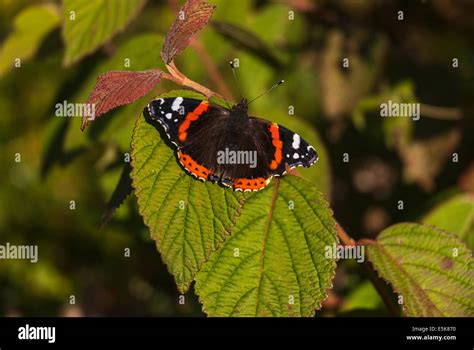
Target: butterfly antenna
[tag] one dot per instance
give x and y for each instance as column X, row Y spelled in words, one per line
column 266, row 92
column 235, row 79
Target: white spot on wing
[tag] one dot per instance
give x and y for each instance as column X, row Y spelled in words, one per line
column 176, row 103
column 296, row 156
column 296, row 141
column 168, row 115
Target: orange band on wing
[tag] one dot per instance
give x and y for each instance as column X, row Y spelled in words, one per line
column 275, row 133
column 192, row 166
column 256, row 184
column 191, row 117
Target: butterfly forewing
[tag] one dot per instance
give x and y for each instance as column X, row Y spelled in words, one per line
column 171, row 114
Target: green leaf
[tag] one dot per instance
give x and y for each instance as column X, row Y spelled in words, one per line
column 273, row 264
column 188, row 219
column 456, row 216
column 30, row 27
column 89, row 24
column 431, row 269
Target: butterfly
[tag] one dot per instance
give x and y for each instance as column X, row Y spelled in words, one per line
column 226, row 145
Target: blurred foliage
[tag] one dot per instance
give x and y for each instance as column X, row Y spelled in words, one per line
column 30, row 28
column 89, row 24
column 337, row 109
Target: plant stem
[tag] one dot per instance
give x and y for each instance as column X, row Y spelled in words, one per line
column 441, row 113
column 380, row 288
column 179, row 78
column 344, row 237
column 369, row 271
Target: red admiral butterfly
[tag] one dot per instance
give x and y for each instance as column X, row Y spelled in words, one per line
column 227, row 145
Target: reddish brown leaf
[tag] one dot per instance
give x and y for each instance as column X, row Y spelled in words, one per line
column 118, row 88
column 192, row 17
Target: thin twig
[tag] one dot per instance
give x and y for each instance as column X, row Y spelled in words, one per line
column 381, row 289
column 344, row 237
column 180, row 79
column 442, row 113
column 374, row 279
